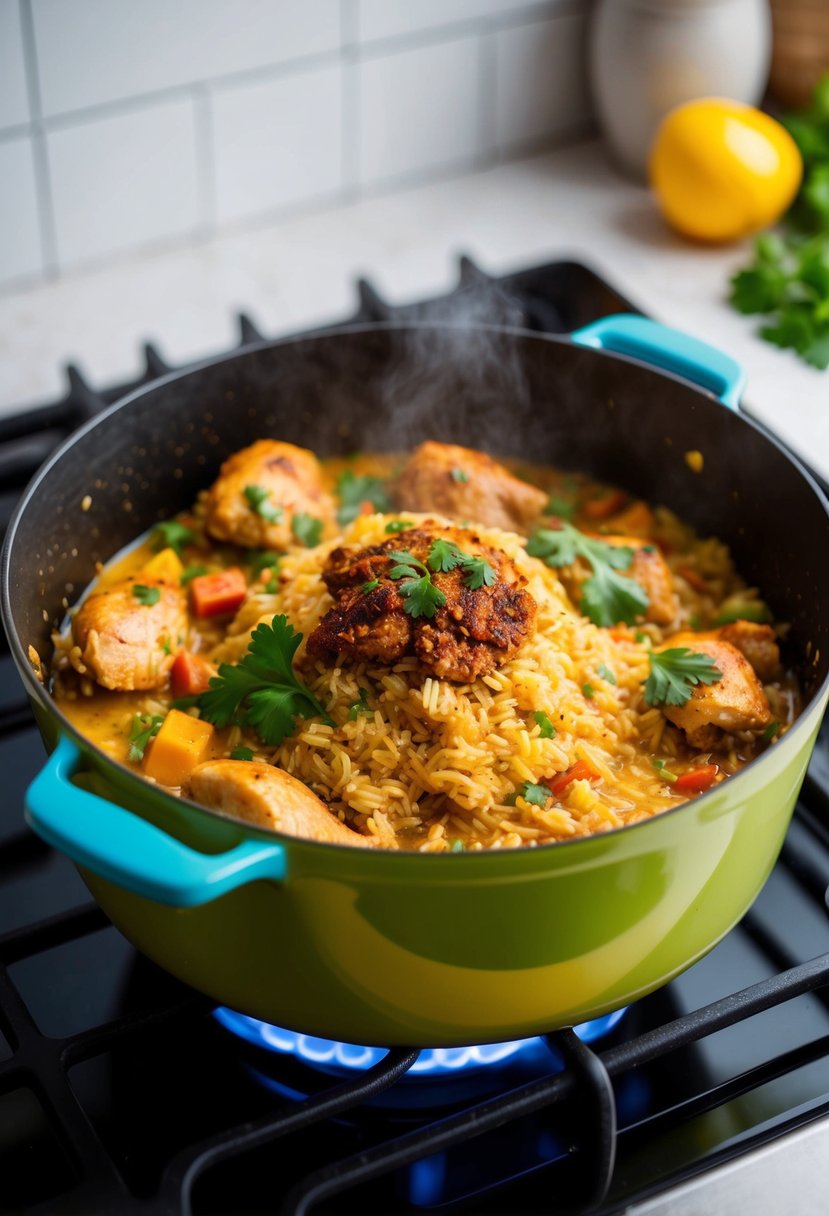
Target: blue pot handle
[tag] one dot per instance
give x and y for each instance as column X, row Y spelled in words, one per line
column 127, row 850
column 671, row 349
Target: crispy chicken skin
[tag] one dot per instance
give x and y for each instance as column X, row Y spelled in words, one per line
column 269, row 798
column 465, row 484
column 128, row 645
column 737, row 702
column 648, row 568
column 474, row 632
column 286, row 476
column 757, row 643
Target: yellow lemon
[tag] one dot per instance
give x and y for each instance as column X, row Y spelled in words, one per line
column 722, row 170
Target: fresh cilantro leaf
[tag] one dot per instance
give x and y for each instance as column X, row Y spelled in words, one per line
column 398, row 525
column 353, row 490
column 675, row 672
column 262, row 689
column 606, row 674
column 444, row 555
column 477, row 572
column 588, row 690
column 191, row 572
column 144, row 727
column 421, row 596
column 535, row 794
column 172, row 535
column 262, row 559
column 607, row 596
column 370, row 585
column 564, row 508
column 259, row 502
column 460, row 476
column 146, row 595
column 546, row 728
column 361, row 706
column 307, row 529
column 456, row 846
column 241, row 753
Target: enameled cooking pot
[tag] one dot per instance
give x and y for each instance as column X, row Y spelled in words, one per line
column 382, row 947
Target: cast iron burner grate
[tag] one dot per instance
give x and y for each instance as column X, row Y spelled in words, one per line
column 120, row 1093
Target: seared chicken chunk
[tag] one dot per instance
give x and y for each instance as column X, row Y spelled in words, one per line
column 465, row 484
column 736, row 702
column 269, row 798
column 475, row 630
column 129, row 633
column 259, row 492
column 648, row 568
column 757, row 643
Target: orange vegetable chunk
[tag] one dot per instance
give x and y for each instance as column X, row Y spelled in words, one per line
column 165, row 565
column 190, row 674
column 181, row 743
column 218, row 594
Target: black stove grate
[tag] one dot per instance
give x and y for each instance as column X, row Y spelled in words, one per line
column 119, row 1093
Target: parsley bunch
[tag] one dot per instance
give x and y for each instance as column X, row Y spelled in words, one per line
column 675, row 672
column 262, row 690
column 607, row 597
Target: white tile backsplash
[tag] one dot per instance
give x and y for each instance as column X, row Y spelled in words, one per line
column 20, row 249
column 540, row 81
column 122, row 182
column 14, row 97
column 94, row 51
column 129, row 122
column 278, row 143
column 419, row 111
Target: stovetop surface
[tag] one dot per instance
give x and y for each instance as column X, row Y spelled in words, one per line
column 120, row 1091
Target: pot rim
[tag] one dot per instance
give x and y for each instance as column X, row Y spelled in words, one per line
column 140, row 784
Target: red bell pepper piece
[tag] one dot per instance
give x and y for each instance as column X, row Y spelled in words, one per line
column 579, row 771
column 698, row 779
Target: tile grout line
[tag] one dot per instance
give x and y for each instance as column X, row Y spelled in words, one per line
column 350, row 124
column 205, row 161
column 40, row 153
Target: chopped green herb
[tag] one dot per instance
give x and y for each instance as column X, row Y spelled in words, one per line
column 191, row 572
column 165, row 646
column 421, row 596
column 564, row 508
column 259, row 501
column 307, row 529
column 444, row 555
column 370, row 585
column 146, row 595
column 353, row 491
column 172, row 535
column 546, row 728
column 588, row 690
column 606, row 674
column 456, row 846
column 640, row 637
column 607, row 596
column 399, row 525
column 659, row 765
column 459, row 475
column 360, row 706
column 272, row 585
column 771, row 730
column 241, row 753
column 262, row 689
column 535, row 794
column 144, row 727
column 675, row 672
column 262, row 559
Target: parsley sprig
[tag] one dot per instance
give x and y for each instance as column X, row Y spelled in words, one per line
column 675, row 672
column 353, row 490
column 262, row 689
column 607, row 597
column 144, row 727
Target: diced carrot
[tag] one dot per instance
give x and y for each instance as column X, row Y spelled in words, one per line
column 218, row 594
column 698, row 779
column 166, row 566
column 693, row 578
column 190, row 674
column 180, row 745
column 604, row 505
column 580, row 771
column 367, row 507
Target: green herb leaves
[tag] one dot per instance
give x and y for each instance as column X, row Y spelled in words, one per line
column 446, row 556
column 259, row 502
column 460, row 476
column 675, row 672
column 607, row 597
column 172, row 535
column 535, row 794
column 545, row 726
column 421, row 596
column 146, row 595
column 307, row 529
column 144, row 727
column 360, row 706
column 353, row 491
column 262, row 690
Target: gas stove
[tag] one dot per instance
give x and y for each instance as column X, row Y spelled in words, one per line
column 121, row 1090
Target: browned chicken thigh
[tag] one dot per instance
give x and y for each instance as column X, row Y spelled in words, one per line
column 736, row 702
column 468, row 485
column 648, row 568
column 129, row 633
column 757, row 642
column 261, row 490
column 473, row 631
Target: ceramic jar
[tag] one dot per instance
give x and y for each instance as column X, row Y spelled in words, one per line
column 647, row 56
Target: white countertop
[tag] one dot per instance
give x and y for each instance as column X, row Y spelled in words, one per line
column 300, row 271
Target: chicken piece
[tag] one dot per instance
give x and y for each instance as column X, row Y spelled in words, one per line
column 636, row 520
column 260, row 490
column 129, row 632
column 757, row 643
column 270, row 798
column 648, row 568
column 468, row 485
column 736, row 702
column 474, row 631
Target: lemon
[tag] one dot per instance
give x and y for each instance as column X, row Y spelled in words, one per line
column 722, row 170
